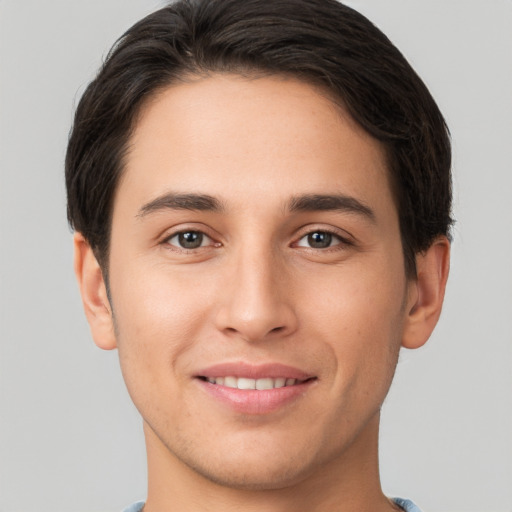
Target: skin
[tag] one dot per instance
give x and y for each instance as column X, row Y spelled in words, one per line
column 256, row 291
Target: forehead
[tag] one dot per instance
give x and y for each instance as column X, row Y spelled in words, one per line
column 225, row 134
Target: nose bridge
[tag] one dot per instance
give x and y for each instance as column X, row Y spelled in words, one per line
column 255, row 304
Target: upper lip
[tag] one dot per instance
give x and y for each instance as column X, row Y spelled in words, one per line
column 254, row 371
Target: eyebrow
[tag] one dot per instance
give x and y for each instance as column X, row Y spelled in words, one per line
column 336, row 202
column 303, row 203
column 171, row 201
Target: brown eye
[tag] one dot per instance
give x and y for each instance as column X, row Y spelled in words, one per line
column 319, row 240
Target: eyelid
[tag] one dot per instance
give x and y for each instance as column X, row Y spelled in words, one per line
column 177, row 230
column 344, row 237
column 175, row 235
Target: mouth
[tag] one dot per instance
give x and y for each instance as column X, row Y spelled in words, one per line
column 255, row 389
column 261, row 384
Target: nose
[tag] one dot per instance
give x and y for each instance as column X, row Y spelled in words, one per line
column 256, row 302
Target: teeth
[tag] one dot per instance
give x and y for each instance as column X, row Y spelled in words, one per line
column 245, row 383
column 230, row 382
column 280, row 383
column 265, row 384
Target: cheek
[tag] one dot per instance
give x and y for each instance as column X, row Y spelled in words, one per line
column 158, row 315
column 360, row 314
column 156, row 299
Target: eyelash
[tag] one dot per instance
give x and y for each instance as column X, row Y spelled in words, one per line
column 342, row 242
column 167, row 240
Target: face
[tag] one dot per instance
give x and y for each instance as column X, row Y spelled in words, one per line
column 257, row 279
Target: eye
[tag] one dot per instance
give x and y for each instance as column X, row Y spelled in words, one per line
column 189, row 240
column 319, row 240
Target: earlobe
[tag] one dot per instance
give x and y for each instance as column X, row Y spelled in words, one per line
column 94, row 294
column 426, row 293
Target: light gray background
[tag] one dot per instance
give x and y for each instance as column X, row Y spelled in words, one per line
column 70, row 440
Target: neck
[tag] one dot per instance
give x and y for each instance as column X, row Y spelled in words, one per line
column 348, row 483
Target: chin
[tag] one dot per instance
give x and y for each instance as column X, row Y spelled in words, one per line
column 253, row 466
column 248, row 476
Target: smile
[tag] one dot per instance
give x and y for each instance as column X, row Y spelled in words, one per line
column 260, row 384
column 255, row 389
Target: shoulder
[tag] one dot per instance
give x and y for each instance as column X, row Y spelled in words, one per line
column 135, row 507
column 406, row 505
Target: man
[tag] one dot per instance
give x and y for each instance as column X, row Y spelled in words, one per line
column 261, row 198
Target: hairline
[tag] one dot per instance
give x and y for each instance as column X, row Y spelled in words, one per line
column 189, row 75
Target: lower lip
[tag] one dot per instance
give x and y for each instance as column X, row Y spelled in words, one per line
column 252, row 401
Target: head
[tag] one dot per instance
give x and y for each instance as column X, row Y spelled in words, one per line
column 265, row 189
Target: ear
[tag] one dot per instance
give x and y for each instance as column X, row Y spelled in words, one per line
column 426, row 293
column 94, row 294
